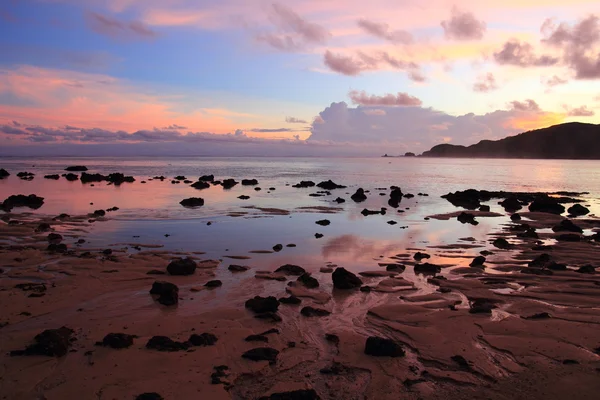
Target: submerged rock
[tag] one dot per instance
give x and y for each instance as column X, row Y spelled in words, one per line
column 51, row 343
column 54, row 177
column 182, row 266
column 168, row 292
column 117, row 340
column 164, row 343
column 290, row 269
column 204, row 339
column 200, row 185
column 381, row 347
column 249, row 182
column 4, row 173
column 262, row 304
column 308, row 281
column 511, row 204
column 207, row 178
column 502, row 243
column 290, row 300
column 76, row 168
column 238, row 268
column 213, row 284
column 330, row 185
column 314, row 312
column 262, row 354
column 343, row 279
column 420, row 256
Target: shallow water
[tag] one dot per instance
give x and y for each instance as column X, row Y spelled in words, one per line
column 148, row 212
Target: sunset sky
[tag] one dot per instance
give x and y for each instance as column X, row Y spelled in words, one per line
column 292, row 77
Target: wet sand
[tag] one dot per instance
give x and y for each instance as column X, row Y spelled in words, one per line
column 534, row 335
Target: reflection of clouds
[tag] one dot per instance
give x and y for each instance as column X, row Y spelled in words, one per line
column 353, row 247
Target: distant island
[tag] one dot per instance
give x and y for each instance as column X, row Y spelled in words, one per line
column 409, row 154
column 572, row 140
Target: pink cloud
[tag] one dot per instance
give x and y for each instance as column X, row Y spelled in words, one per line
column 463, row 25
column 582, row 111
column 554, row 81
column 400, row 99
column 485, row 83
column 522, row 55
column 383, row 31
column 363, row 62
column 115, row 28
column 527, row 106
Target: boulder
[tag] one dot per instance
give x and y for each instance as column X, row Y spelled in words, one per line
column 53, row 177
column 484, row 208
column 238, row 268
column 301, row 394
column 566, row 225
column 76, row 168
column 117, row 340
column 309, row 311
column 262, row 354
column 243, row 197
column 502, row 243
column 367, row 212
column 204, row 339
column 481, row 306
column 343, row 279
column 323, row 222
column 515, row 217
column 261, row 305
column 168, row 293
column 164, row 343
column 578, row 210
column 213, row 284
column 541, row 261
column 118, row 178
column 249, row 182
column 330, row 185
column 87, row 178
column 420, row 256
column 587, row 269
column 207, row 178
column 467, row 218
column 468, row 199
column 54, row 237
column 382, row 347
column 51, row 343
column 477, row 262
column 427, row 269
column 149, row 396
column 19, row 200
column 547, row 205
column 290, row 300
column 228, row 183
column 395, row 197
column 182, row 266
column 200, row 185
column 290, row 269
column 399, row 268
column 569, row 237
column 4, row 173
column 339, row 200
column 308, row 281
column 278, row 247
column 43, row 227
column 192, row 202
column 71, row 177
column 304, row 184
column 511, row 204
column 359, row 196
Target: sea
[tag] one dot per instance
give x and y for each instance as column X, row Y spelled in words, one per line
column 245, row 232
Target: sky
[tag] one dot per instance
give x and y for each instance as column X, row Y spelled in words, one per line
column 326, row 77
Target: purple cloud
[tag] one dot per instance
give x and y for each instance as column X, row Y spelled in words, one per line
column 382, row 31
column 400, row 99
column 362, row 62
column 463, row 25
column 582, row 111
column 527, row 106
column 485, row 83
column 117, row 29
column 293, row 120
column 522, row 55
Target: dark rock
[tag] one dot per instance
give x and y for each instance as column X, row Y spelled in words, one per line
column 566, row 225
column 481, row 306
column 301, row 394
column 204, row 339
column 117, row 340
column 262, row 304
column 462, row 362
column 207, row 178
column 271, row 316
column 427, row 269
column 468, row 199
column 278, row 247
column 395, row 268
column 569, row 237
column 546, row 204
column 43, row 227
column 213, row 284
column 541, row 261
column 99, row 213
column 309, row 311
column 578, row 210
column 323, row 222
column 543, row 315
column 88, row 178
column 19, row 200
column 366, row 289
column 180, row 178
column 553, row 266
column 76, row 168
column 243, row 197
column 71, row 177
column 304, row 184
column 118, row 178
column 168, row 292
column 51, row 343
column 290, row 300
column 54, row 237
column 587, row 269
column 308, row 281
column 367, row 212
column 536, row 271
column 238, row 268
column 4, row 173
column 249, row 182
column 484, row 208
column 163, row 343
column 31, row 287
column 27, row 176
column 570, row 362
column 330, row 337
column 477, row 262
column 57, row 248
column 200, row 185
column 511, row 204
column 318, row 235
column 182, row 266
column 467, row 218
column 229, row 183
column 256, row 338
column 529, row 233
column 53, row 177
column 515, row 217
column 330, row 185
column 502, row 244
column 192, row 202
column 290, row 245
column 262, row 354
column 381, row 347
column 420, row 256
column 343, row 279
column 395, row 197
column 290, row 269
column 359, row 196
column 339, row 200
column 156, row 272
column 149, row 396
column 392, row 223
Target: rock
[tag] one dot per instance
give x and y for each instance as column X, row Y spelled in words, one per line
column 481, row 306
column 395, row 197
column 381, row 347
column 290, row 269
column 569, row 237
column 367, row 212
column 87, row 178
column 156, row 272
column 180, row 178
column 19, row 200
column 541, row 261
column 31, row 287
column 213, row 284
column 163, row 343
column 4, row 173
column 427, row 269
column 330, row 185
column 578, row 210
column 309, row 311
column 304, row 184
column 553, row 266
column 271, row 316
column 323, row 222
column 359, row 196
column 392, row 223
column 467, row 218
column 243, row 197
column 168, row 292
column 182, row 266
column 249, row 182
column 366, row 289
column 395, row 268
column 229, row 183
column 462, row 362
column 468, row 199
column 339, row 200
column 71, row 177
column 529, row 233
column 192, row 202
column 318, row 235
column 566, row 225
column 536, row 271
column 51, row 343
column 118, row 178
column 204, row 339
column 587, row 269
column 200, row 185
column 546, row 204
column 262, row 304
column 477, row 262
column 76, row 168
column 308, row 281
column 207, row 178
column 515, row 217
column 502, row 243
column 302, row 394
column 290, row 300
column 262, row 354
column 238, row 268
column 543, row 315
column 278, row 247
column 53, row 177
column 343, row 279
column 511, row 204
column 484, row 208
column 57, row 248
column 256, row 338
column 420, row 256
column 149, row 396
column 117, row 340
column 99, row 213
column 54, row 237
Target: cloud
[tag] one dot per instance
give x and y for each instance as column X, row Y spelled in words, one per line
column 522, row 55
column 485, row 83
column 401, row 129
column 363, row 62
column 293, row 32
column 554, row 81
column 269, row 130
column 582, row 111
column 174, row 127
column 292, row 120
column 382, row 31
column 116, row 29
column 401, row 99
column 463, row 25
column 579, row 43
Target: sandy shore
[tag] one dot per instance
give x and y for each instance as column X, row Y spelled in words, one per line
column 535, row 337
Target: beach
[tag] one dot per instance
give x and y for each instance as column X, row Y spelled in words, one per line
column 394, row 292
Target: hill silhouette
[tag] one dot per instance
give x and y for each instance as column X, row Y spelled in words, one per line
column 574, row 140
